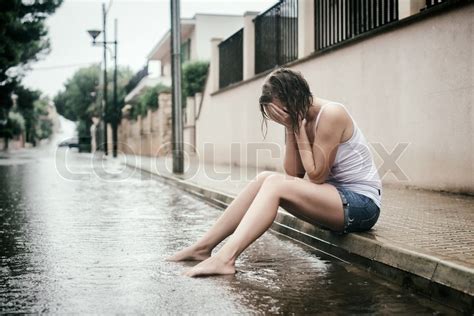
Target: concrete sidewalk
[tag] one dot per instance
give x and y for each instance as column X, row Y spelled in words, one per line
column 423, row 240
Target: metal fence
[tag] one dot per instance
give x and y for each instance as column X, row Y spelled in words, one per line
column 430, row 3
column 231, row 59
column 186, row 50
column 276, row 35
column 133, row 82
column 340, row 20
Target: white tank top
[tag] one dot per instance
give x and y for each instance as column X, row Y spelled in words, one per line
column 354, row 168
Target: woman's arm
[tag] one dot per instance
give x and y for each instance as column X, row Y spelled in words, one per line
column 292, row 161
column 318, row 159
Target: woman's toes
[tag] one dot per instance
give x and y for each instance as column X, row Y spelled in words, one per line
column 189, row 254
column 211, row 266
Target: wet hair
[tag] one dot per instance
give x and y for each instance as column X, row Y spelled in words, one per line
column 292, row 90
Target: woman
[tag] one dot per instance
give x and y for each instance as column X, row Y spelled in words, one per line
column 342, row 191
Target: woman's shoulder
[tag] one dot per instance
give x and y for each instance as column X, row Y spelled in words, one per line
column 335, row 106
column 331, row 120
column 336, row 116
column 334, row 112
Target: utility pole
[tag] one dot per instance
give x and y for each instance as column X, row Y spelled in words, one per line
column 177, row 122
column 115, row 115
column 104, row 101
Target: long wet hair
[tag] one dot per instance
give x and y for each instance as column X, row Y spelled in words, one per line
column 292, row 90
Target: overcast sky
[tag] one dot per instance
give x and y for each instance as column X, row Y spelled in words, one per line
column 141, row 24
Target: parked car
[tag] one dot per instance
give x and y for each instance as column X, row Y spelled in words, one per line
column 70, row 142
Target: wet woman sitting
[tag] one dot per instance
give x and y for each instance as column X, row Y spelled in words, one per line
column 342, row 190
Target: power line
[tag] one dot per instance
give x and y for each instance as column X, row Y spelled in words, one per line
column 63, row 66
column 109, row 6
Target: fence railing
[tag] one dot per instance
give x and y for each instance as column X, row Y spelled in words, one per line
column 231, row 59
column 339, row 20
column 276, row 35
column 133, row 82
column 430, row 3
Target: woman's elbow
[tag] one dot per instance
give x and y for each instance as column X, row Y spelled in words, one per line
column 317, row 177
column 294, row 173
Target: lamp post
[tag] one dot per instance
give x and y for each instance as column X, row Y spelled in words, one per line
column 94, row 34
column 178, row 153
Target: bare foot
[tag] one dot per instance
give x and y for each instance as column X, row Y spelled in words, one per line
column 191, row 253
column 211, row 266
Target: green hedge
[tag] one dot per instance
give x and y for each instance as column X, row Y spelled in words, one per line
column 148, row 99
column 16, row 122
column 194, row 77
column 193, row 81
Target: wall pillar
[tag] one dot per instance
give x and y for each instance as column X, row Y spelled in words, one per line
column 305, row 28
column 189, row 125
column 164, row 125
column 197, row 104
column 123, row 135
column 409, row 7
column 149, row 122
column 214, row 65
column 109, row 140
column 140, row 124
column 249, row 45
column 190, row 111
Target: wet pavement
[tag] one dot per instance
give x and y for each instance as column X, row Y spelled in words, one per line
column 433, row 223
column 92, row 238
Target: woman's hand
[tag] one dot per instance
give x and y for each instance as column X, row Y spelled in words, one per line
column 278, row 115
column 302, row 126
column 302, row 136
column 304, row 149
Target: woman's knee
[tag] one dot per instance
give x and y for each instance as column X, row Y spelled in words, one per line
column 261, row 176
column 275, row 182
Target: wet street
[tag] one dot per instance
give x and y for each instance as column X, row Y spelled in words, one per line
column 78, row 237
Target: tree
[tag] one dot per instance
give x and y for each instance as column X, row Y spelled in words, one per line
column 194, row 77
column 82, row 96
column 23, row 39
column 16, row 123
column 43, row 125
column 148, row 99
column 124, row 74
column 30, row 116
column 78, row 101
column 26, row 106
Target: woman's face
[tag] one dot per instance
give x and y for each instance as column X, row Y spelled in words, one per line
column 279, row 104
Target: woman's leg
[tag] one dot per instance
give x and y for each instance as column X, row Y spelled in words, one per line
column 320, row 203
column 225, row 225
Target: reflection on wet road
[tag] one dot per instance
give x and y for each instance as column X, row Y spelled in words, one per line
column 96, row 244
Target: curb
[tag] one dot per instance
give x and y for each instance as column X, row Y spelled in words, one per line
column 440, row 280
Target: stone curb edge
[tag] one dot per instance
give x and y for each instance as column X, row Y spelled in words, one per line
column 430, row 269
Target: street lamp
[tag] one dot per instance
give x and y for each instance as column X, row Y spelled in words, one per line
column 94, row 34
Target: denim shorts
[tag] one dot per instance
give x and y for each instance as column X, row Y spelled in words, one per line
column 360, row 211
